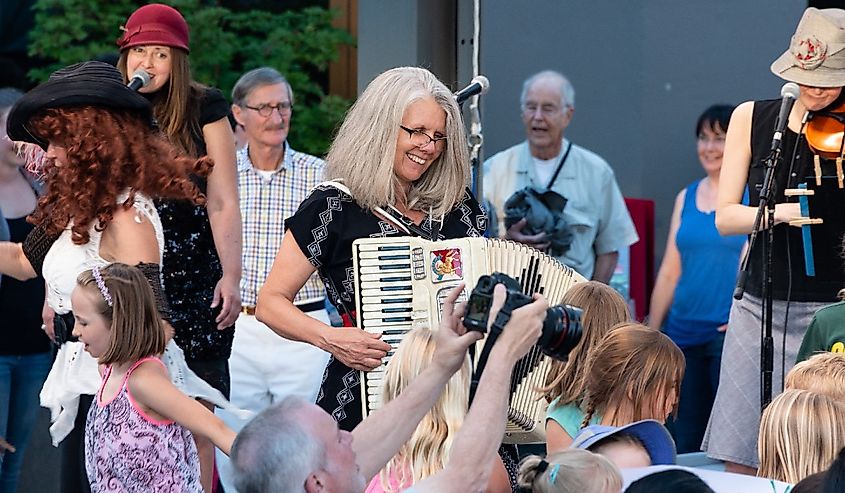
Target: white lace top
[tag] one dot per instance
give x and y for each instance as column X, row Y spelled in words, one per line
column 74, row 371
column 65, row 259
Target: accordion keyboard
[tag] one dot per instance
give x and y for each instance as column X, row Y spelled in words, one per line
column 385, row 302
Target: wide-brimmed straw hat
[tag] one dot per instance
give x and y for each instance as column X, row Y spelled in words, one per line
column 81, row 84
column 155, row 24
column 816, row 54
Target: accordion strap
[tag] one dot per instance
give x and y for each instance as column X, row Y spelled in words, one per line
column 337, row 184
column 36, row 245
column 341, row 306
column 407, row 224
column 403, row 223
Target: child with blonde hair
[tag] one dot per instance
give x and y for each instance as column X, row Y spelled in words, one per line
column 634, row 374
column 823, row 373
column 138, row 434
column 427, row 452
column 800, row 434
column 572, row 470
column 602, row 308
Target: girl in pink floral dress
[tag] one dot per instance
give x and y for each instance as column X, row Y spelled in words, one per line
column 138, row 432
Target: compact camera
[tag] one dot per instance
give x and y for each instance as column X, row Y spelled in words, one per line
column 63, row 329
column 561, row 328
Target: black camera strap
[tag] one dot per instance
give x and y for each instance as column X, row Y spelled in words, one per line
column 559, row 166
column 502, row 318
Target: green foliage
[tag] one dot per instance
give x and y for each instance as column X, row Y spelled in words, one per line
column 224, row 45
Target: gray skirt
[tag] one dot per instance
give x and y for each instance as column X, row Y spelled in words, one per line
column 735, row 420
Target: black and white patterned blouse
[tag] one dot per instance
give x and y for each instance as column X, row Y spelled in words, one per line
column 324, row 227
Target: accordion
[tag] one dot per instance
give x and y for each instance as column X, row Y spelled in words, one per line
column 401, row 282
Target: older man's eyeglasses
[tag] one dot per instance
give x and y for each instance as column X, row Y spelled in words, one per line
column 545, row 109
column 422, row 139
column 266, row 110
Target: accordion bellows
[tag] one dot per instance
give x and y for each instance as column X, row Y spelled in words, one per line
column 400, row 284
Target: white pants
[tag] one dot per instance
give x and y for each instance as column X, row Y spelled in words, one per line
column 265, row 368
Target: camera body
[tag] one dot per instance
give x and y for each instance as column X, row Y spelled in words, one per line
column 561, row 327
column 63, row 328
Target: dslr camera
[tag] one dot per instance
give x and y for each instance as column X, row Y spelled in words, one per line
column 561, row 327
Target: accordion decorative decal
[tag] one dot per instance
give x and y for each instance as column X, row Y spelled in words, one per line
column 446, row 265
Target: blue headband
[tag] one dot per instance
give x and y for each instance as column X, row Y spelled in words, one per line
column 553, row 473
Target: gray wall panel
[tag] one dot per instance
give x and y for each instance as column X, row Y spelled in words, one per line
column 642, row 70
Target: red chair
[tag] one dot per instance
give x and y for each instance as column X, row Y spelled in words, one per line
column 641, row 263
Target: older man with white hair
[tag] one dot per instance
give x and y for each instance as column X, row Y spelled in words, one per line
column 596, row 224
column 297, row 447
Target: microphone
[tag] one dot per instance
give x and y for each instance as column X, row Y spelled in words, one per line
column 478, row 85
column 139, row 79
column 789, row 93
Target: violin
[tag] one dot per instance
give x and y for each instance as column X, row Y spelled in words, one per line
column 825, row 133
column 826, row 129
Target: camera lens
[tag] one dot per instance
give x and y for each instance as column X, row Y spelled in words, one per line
column 561, row 331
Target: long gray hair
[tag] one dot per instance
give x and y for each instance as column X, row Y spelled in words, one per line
column 365, row 146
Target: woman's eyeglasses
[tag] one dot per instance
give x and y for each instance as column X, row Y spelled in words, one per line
column 422, row 139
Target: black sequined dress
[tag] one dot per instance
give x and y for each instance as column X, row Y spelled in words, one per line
column 191, row 267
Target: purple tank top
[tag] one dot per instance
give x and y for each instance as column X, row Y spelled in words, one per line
column 127, row 451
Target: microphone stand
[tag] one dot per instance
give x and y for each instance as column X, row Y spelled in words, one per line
column 767, row 206
column 475, row 139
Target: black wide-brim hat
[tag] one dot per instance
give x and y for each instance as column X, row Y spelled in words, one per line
column 82, row 84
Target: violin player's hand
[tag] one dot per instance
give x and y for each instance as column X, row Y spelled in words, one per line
column 787, row 212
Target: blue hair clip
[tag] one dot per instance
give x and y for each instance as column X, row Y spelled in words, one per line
column 553, row 473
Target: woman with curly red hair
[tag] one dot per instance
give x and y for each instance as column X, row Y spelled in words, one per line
column 104, row 164
column 84, row 182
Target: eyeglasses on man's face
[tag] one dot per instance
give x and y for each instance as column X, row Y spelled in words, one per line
column 529, row 109
column 422, row 139
column 266, row 110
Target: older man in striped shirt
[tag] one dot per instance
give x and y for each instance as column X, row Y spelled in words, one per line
column 273, row 179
